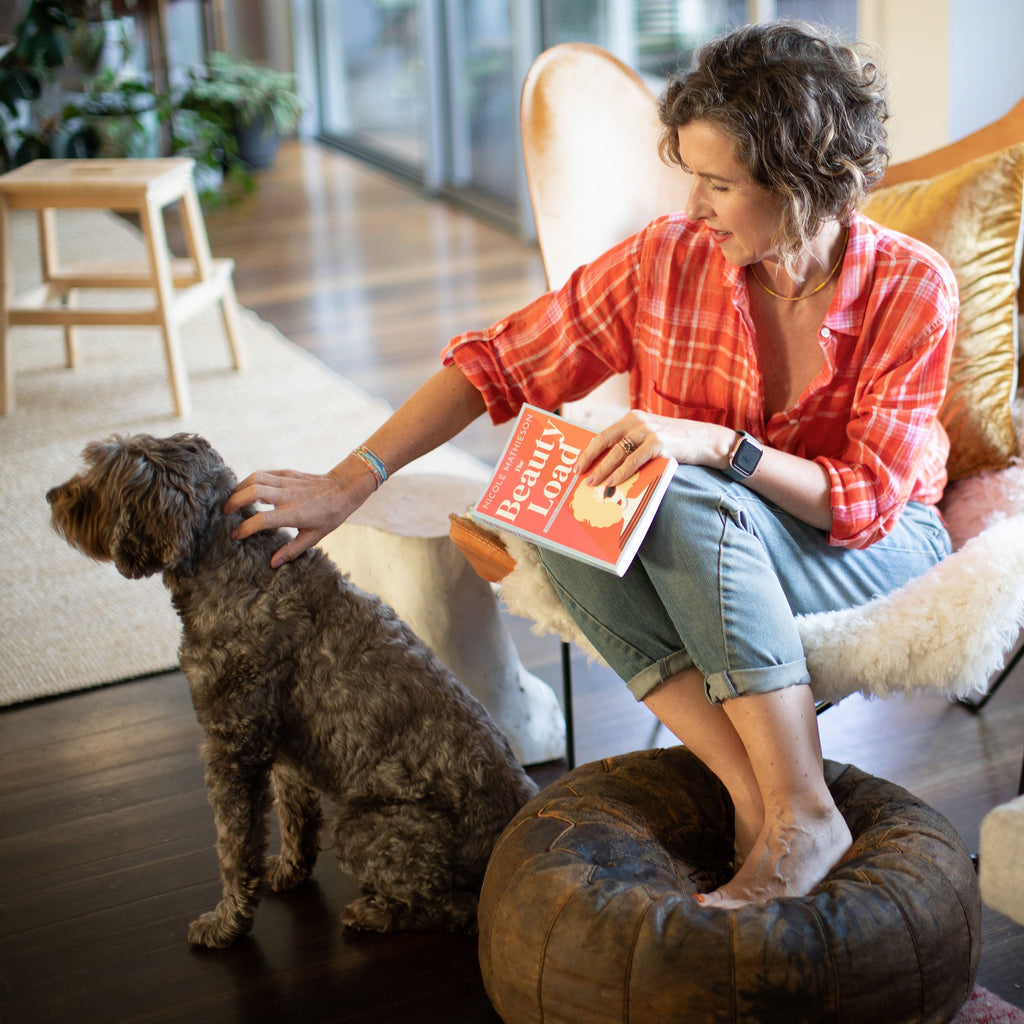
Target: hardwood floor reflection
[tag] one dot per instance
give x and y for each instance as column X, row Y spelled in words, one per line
column 106, row 838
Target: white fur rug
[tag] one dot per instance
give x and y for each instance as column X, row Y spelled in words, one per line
column 949, row 631
column 69, row 623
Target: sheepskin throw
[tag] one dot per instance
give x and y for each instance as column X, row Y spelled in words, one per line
column 947, row 631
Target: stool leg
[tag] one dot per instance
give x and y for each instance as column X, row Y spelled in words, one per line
column 196, row 242
column 47, row 221
column 198, row 245
column 6, row 298
column 232, row 328
column 163, row 283
column 70, row 334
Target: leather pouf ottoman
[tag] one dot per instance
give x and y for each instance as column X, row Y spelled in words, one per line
column 586, row 913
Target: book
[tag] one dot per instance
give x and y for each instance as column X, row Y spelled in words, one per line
column 537, row 493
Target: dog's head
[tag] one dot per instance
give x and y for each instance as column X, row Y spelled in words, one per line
column 144, row 503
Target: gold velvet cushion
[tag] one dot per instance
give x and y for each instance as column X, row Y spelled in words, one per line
column 972, row 216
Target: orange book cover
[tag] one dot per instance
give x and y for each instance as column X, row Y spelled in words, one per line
column 536, row 493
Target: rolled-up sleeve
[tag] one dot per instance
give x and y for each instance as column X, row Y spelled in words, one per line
column 562, row 345
column 894, row 430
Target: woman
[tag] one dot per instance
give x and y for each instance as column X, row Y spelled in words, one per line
column 792, row 356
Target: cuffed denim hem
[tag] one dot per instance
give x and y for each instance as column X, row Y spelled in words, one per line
column 722, row 685
column 654, row 675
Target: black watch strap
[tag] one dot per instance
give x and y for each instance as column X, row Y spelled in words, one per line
column 744, row 456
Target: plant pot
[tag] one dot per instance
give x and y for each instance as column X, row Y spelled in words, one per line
column 257, row 143
column 126, row 135
column 113, row 125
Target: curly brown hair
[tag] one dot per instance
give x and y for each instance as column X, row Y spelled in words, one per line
column 807, row 113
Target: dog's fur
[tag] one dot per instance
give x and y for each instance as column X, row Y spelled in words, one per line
column 302, row 681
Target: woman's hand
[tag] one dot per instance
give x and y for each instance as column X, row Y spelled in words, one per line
column 313, row 503
column 619, row 450
column 799, row 486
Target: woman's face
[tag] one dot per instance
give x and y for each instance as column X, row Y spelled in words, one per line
column 740, row 216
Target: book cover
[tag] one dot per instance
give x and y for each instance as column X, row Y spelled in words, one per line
column 536, row 492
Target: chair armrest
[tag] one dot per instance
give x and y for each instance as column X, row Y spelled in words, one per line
column 484, row 550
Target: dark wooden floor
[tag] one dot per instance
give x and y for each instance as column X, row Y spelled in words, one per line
column 106, row 840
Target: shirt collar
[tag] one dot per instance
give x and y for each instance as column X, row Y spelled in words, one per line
column 846, row 312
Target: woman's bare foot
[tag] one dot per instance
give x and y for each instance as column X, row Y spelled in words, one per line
column 793, row 853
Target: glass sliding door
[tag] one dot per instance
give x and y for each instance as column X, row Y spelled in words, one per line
column 482, row 99
column 431, row 88
column 373, row 93
column 840, row 15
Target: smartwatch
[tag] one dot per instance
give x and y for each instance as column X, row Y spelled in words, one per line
column 744, row 456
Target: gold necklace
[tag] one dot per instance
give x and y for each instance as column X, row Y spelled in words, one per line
column 814, row 291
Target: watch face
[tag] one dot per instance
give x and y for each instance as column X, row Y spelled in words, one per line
column 746, row 457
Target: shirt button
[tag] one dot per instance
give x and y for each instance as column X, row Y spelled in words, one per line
column 825, row 333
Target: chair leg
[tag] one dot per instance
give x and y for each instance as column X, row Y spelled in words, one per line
column 570, row 729
column 980, row 702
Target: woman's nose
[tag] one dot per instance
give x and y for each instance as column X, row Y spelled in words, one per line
column 697, row 206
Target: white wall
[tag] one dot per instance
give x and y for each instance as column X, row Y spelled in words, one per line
column 986, row 61
column 953, row 65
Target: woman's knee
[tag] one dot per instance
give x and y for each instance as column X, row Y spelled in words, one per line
column 691, row 514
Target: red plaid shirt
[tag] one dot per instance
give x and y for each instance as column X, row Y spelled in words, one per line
column 665, row 307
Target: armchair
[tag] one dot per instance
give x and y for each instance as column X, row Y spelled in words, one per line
column 589, row 127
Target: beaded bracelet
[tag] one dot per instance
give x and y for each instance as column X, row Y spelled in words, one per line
column 372, row 463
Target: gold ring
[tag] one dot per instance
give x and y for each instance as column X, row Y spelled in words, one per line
column 627, row 445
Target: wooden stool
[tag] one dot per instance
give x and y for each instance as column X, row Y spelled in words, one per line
column 181, row 287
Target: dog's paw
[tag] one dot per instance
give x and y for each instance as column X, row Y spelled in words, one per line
column 452, row 912
column 217, row 929
column 282, row 875
column 370, row 914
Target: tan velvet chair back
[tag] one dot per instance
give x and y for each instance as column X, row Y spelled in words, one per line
column 590, row 143
column 590, row 133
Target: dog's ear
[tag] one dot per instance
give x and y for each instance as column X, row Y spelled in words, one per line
column 161, row 515
column 164, row 493
column 136, row 546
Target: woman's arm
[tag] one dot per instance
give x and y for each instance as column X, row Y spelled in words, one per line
column 317, row 503
column 798, row 486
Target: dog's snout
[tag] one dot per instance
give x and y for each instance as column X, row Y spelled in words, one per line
column 53, row 494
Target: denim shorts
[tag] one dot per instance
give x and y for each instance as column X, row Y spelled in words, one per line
column 718, row 583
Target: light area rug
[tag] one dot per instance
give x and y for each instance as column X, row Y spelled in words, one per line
column 67, row 623
column 984, row 1007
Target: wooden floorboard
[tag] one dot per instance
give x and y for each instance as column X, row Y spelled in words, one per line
column 106, row 838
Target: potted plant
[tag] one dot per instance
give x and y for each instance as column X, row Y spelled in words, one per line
column 253, row 105
column 39, row 48
column 116, row 116
column 53, row 40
